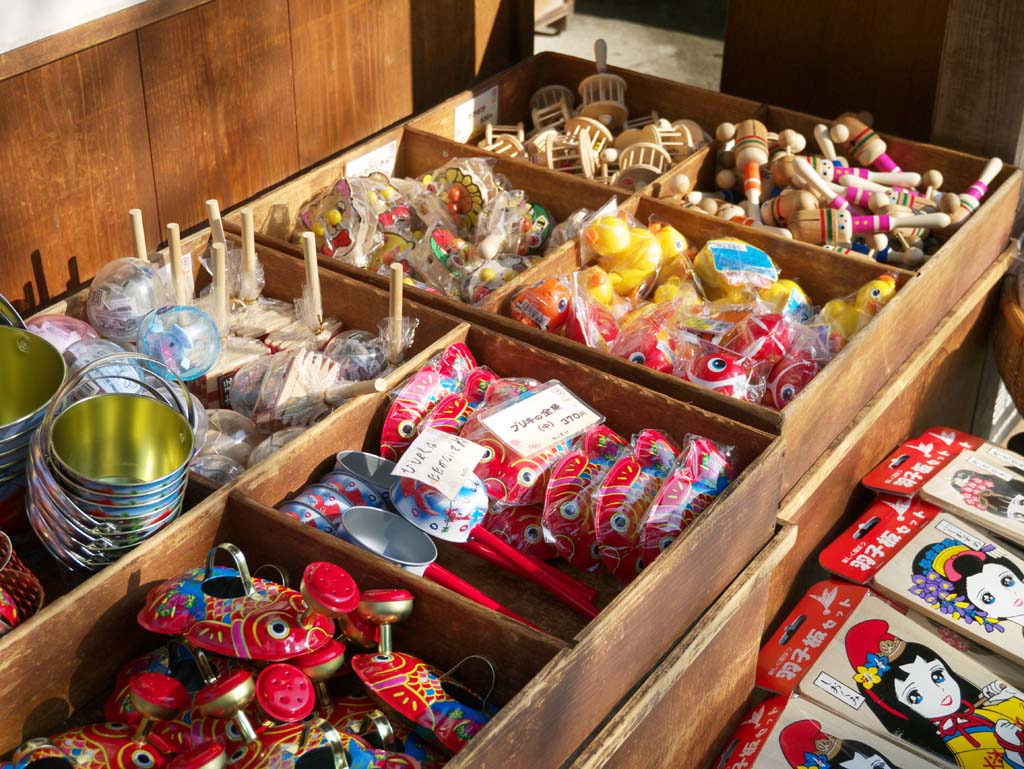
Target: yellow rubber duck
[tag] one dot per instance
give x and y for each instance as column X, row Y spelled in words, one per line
column 598, row 283
column 634, row 270
column 846, row 318
column 608, row 235
column 679, row 288
column 786, row 297
column 672, row 241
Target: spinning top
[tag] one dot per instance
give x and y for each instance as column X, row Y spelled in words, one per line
column 227, row 698
column 384, row 608
column 157, row 697
column 328, row 590
column 322, row 665
column 285, row 693
column 205, row 755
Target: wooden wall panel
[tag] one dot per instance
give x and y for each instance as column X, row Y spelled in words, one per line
column 458, row 41
column 75, row 157
column 352, row 68
column 220, row 102
column 830, row 57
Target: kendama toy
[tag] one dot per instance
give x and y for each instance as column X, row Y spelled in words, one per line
column 840, row 227
column 750, row 153
column 777, row 211
column 959, row 207
column 603, row 96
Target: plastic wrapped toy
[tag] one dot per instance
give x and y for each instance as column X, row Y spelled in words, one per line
column 727, row 372
column 846, row 317
column 544, row 305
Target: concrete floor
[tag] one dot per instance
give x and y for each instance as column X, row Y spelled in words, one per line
column 677, row 40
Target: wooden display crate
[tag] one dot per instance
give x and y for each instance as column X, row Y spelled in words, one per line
column 714, row 664
column 638, row 622
column 61, row 664
column 597, row 663
column 415, row 153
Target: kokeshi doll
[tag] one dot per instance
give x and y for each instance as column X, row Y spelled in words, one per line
column 784, row 172
column 807, row 172
column 856, row 196
column 959, row 207
column 862, row 144
column 839, row 227
column 824, row 141
column 776, row 211
column 751, row 152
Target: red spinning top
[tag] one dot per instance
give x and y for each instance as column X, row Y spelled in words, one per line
column 285, row 693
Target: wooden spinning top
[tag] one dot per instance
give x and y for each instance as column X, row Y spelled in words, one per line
column 603, row 96
column 385, row 608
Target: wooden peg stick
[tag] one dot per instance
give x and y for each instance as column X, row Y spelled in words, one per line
column 138, row 235
column 216, row 225
column 248, row 253
column 312, row 276
column 220, row 289
column 395, row 314
column 601, row 54
column 177, row 271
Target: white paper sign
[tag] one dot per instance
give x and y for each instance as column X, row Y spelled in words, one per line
column 998, row 472
column 440, row 460
column 839, row 690
column 1006, row 457
column 475, row 112
column 382, row 160
column 548, row 416
column 950, row 529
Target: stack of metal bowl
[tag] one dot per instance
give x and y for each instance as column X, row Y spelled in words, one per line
column 108, row 470
column 31, row 373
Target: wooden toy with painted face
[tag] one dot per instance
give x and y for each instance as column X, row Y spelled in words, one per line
column 625, row 495
column 861, row 143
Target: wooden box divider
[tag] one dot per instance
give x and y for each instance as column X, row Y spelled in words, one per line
column 684, row 711
column 637, row 623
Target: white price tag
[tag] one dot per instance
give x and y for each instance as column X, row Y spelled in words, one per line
column 1006, row 457
column 839, row 690
column 476, row 111
column 549, row 415
column 998, row 472
column 440, row 460
column 382, row 160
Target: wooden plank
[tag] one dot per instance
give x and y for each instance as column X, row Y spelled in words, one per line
column 660, row 724
column 936, row 386
column 90, row 34
column 75, row 154
column 979, row 99
column 353, row 71
column 220, row 104
column 791, row 66
column 457, row 41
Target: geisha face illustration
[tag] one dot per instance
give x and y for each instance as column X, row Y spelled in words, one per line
column 990, row 494
column 976, row 587
column 806, row 746
column 996, row 589
column 926, row 687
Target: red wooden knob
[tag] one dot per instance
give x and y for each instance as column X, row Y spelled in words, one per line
column 205, row 755
column 158, row 696
column 285, row 693
column 323, row 663
column 227, row 695
column 329, row 589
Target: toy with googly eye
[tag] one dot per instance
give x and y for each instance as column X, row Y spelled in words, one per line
column 726, row 372
column 521, row 527
column 544, row 305
column 787, row 378
column 624, row 496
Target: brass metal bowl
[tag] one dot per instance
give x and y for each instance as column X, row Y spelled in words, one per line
column 31, row 372
column 121, row 441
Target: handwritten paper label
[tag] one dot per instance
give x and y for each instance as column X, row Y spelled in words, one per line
column 991, row 469
column 475, row 112
column 440, row 460
column 1004, row 457
column 379, row 160
column 948, row 528
column 839, row 690
column 549, row 415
